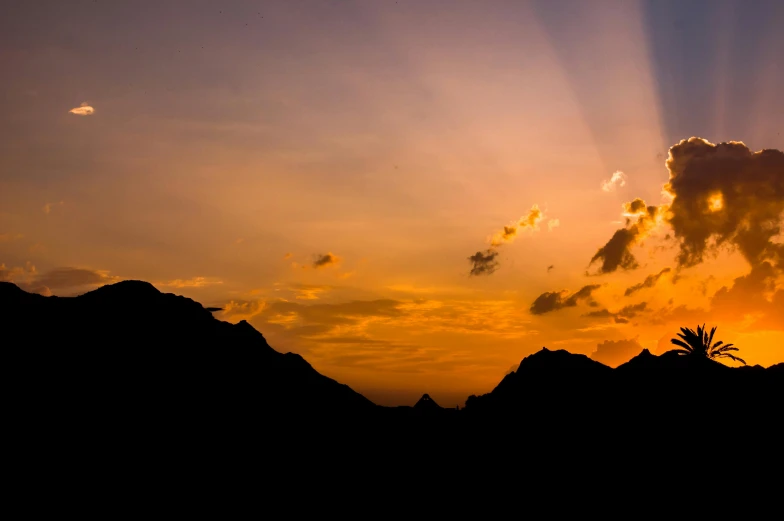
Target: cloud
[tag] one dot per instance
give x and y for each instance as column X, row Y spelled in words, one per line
column 195, row 282
column 754, row 294
column 618, row 179
column 83, row 110
column 324, row 260
column 555, row 300
column 725, row 194
column 48, row 207
column 550, row 267
column 508, row 233
column 649, row 282
column 30, row 280
column 237, row 310
column 621, row 317
column 615, row 352
column 484, row 263
column 308, row 291
column 74, row 277
column 640, row 220
column 552, row 224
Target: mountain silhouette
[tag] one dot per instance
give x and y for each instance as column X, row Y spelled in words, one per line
column 129, row 358
column 559, row 389
column 426, row 403
column 128, row 346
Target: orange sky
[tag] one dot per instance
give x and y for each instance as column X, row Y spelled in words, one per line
column 219, row 153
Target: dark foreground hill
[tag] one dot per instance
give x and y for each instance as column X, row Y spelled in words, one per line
column 668, row 392
column 128, row 383
column 128, row 353
column 129, row 347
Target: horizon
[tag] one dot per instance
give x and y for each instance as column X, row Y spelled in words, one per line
column 412, row 198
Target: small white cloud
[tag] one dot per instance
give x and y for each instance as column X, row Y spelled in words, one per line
column 617, row 179
column 83, row 110
column 553, row 223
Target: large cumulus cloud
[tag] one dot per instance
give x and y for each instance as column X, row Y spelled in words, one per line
column 725, row 194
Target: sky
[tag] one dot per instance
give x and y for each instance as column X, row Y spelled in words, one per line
column 413, row 195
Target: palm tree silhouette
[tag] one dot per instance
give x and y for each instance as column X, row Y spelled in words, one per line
column 699, row 344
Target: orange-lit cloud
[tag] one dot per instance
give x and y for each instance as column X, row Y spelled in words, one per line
column 309, row 291
column 508, row 233
column 618, row 179
column 555, row 300
column 195, row 282
column 486, row 262
column 29, row 279
column 236, row 310
column 83, row 110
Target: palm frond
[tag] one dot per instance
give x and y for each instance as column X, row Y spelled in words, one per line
column 735, row 358
column 687, row 347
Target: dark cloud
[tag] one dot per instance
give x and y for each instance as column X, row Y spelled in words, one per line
column 725, row 194
column 649, row 282
column 324, row 260
column 484, row 263
column 640, row 219
column 616, row 352
column 555, row 300
column 622, row 316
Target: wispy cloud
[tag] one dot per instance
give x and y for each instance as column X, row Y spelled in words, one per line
column 486, row 263
column 618, row 179
column 83, row 110
column 195, row 282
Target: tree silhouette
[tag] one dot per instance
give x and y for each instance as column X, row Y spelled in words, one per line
column 699, row 344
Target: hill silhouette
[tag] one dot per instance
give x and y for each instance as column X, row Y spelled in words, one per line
column 129, row 355
column 129, row 346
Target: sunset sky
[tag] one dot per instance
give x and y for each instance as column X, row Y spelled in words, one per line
column 325, row 170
